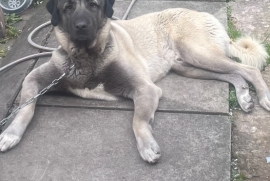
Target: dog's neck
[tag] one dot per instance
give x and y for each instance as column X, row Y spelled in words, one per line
column 97, row 46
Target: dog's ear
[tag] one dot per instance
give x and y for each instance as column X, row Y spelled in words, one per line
column 52, row 8
column 108, row 8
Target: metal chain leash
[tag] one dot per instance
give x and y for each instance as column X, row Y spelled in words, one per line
column 29, row 101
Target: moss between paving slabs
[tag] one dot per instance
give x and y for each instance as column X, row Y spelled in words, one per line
column 232, row 31
column 233, row 103
column 233, row 34
column 267, row 46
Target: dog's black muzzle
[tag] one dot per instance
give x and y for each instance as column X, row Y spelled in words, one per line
column 81, row 29
column 84, row 26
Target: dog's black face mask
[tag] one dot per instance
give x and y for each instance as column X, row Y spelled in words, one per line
column 81, row 19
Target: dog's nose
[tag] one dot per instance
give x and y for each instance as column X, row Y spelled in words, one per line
column 81, row 25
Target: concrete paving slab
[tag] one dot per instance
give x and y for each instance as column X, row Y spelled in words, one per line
column 218, row 9
column 120, row 8
column 252, row 17
column 179, row 95
column 87, row 144
column 12, row 78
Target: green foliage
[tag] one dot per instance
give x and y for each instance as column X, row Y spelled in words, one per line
column 11, row 31
column 2, row 52
column 233, row 103
column 12, row 19
column 240, row 177
column 267, row 46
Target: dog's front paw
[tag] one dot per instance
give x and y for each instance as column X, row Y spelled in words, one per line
column 265, row 103
column 8, row 139
column 148, row 149
column 264, row 100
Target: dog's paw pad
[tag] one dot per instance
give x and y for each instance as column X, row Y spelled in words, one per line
column 8, row 141
column 248, row 107
column 245, row 100
column 149, row 151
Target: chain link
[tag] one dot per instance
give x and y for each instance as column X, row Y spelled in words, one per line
column 29, row 101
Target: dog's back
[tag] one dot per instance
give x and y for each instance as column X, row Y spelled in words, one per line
column 166, row 35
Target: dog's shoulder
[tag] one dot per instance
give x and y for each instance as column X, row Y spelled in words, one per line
column 59, row 56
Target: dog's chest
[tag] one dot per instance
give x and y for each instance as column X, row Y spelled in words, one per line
column 83, row 72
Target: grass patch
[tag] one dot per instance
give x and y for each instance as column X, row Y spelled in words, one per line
column 232, row 30
column 233, row 103
column 267, row 47
column 233, row 34
column 235, row 173
column 239, row 177
column 2, row 52
column 11, row 31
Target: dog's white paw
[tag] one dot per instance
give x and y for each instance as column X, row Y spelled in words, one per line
column 244, row 99
column 148, row 149
column 265, row 101
column 8, row 139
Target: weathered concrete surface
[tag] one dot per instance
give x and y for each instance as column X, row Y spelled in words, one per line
column 75, row 141
column 179, row 95
column 12, row 78
column 83, row 144
column 218, row 9
column 250, row 139
column 252, row 17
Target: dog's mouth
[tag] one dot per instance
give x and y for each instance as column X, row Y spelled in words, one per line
column 84, row 41
column 82, row 38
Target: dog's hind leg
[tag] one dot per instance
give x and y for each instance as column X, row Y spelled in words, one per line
column 241, row 86
column 215, row 61
column 33, row 83
column 146, row 98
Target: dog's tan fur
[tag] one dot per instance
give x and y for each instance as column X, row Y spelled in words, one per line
column 127, row 57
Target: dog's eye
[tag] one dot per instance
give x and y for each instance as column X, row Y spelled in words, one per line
column 69, row 7
column 93, row 5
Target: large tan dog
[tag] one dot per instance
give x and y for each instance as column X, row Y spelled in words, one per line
column 125, row 58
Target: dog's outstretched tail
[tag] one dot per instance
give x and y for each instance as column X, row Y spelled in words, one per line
column 249, row 51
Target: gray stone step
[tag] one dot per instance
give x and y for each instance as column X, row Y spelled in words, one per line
column 87, row 144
